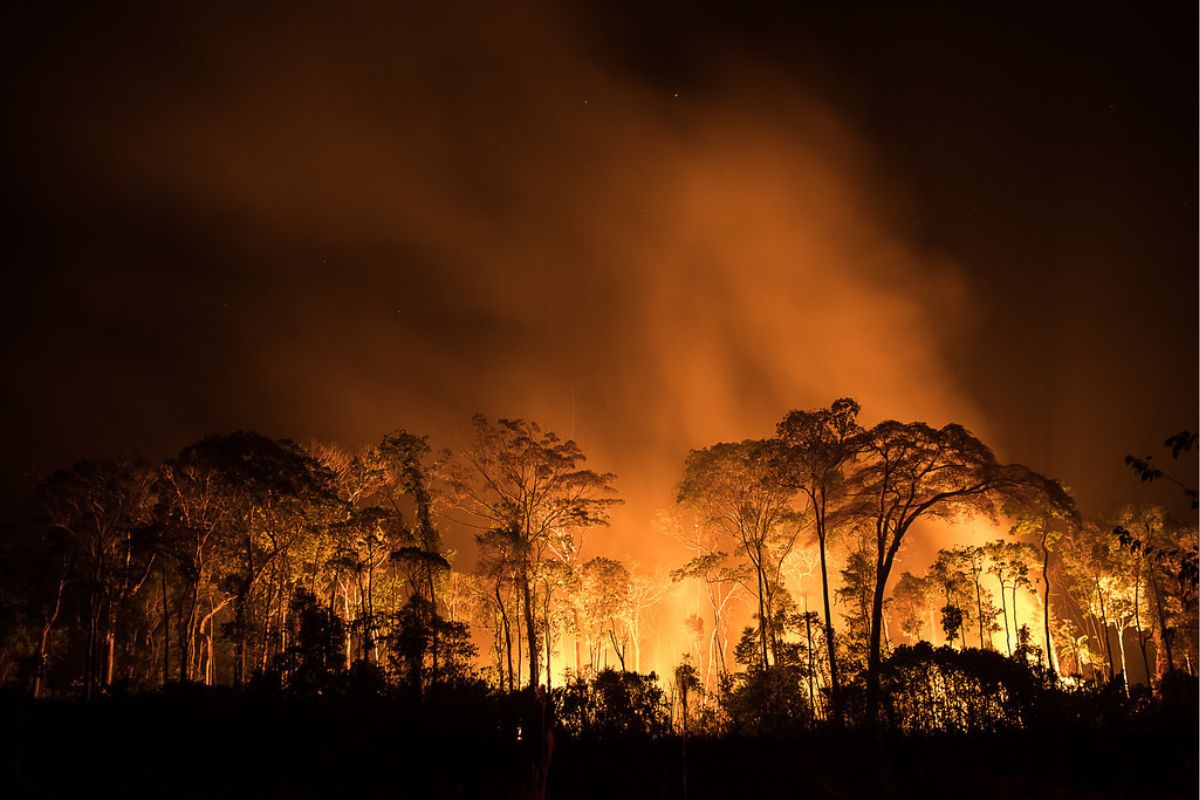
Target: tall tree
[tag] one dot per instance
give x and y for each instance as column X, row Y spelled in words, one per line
column 720, row 578
column 912, row 471
column 721, row 582
column 1045, row 521
column 975, row 559
column 818, row 446
column 605, row 592
column 911, row 600
column 276, row 488
column 736, row 488
column 1165, row 560
column 855, row 593
column 949, row 573
column 499, row 562
column 1009, row 563
column 196, row 502
column 104, row 508
column 514, row 476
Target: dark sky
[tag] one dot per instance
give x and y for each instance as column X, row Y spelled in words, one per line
column 651, row 229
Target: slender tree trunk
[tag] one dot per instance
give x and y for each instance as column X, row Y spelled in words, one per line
column 762, row 614
column 1165, row 633
column 712, row 660
column 1095, row 634
column 435, row 646
column 812, row 698
column 718, row 605
column 683, row 696
column 830, row 642
column 39, row 676
column 166, row 627
column 636, row 638
column 110, row 649
column 347, row 654
column 530, row 629
column 1004, row 610
column 617, row 650
column 498, row 651
column 562, row 640
column 1046, row 599
column 210, row 665
column 1120, row 629
column 240, row 616
column 369, row 630
column 517, row 623
column 1112, row 671
column 239, row 641
column 273, row 589
column 187, row 634
column 1016, row 626
column 198, row 665
column 874, row 653
column 883, row 569
column 508, row 649
column 1137, row 625
column 93, row 644
column 577, row 636
column 188, row 620
column 979, row 610
column 549, row 640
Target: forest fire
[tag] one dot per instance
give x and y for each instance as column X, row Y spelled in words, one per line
column 246, row 560
column 749, row 397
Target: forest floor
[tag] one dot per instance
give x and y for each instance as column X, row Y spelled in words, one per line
column 232, row 746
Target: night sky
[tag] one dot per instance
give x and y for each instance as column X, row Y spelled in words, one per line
column 649, row 229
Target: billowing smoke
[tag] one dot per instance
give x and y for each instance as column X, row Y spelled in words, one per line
column 384, row 224
column 403, row 223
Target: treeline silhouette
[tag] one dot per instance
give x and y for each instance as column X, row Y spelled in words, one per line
column 253, row 600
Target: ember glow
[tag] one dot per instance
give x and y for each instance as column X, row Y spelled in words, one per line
column 537, row 293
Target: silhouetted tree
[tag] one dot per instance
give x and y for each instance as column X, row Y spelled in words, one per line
column 1046, row 525
column 949, row 573
column 932, row 690
column 1163, row 558
column 312, row 663
column 911, row 599
column 612, row 705
column 418, row 627
column 513, row 476
column 605, row 594
column 103, row 508
column 275, row 487
column 910, row 471
column 736, row 488
column 499, row 560
column 1009, row 562
column 817, row 448
column 856, row 592
column 687, row 685
column 198, row 507
column 1182, row 442
column 721, row 580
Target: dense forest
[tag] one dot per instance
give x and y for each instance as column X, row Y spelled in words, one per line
column 250, row 594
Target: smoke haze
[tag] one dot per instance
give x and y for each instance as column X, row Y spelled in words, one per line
column 331, row 224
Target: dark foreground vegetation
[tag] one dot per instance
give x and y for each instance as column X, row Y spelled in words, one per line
column 612, row 737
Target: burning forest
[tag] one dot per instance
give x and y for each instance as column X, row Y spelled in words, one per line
column 621, row 400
